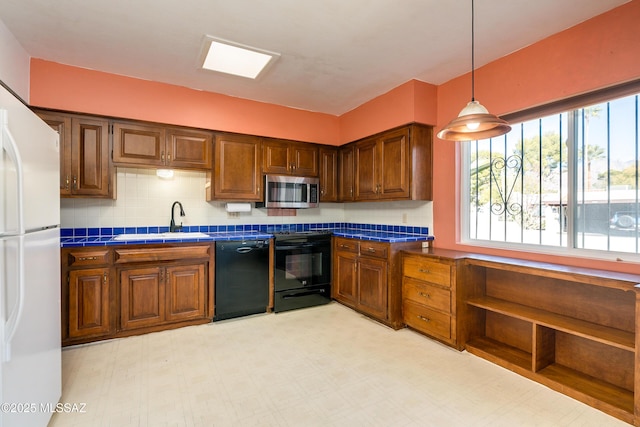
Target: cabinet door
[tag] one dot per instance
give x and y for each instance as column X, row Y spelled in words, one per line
column 189, row 149
column 345, row 278
column 88, row 302
column 237, row 173
column 328, row 174
column 393, row 165
column 276, row 157
column 304, row 159
column 90, row 168
column 142, row 297
column 185, row 292
column 346, row 174
column 139, row 145
column 372, row 287
column 366, row 170
column 62, row 125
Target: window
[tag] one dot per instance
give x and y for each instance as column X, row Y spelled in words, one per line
column 563, row 179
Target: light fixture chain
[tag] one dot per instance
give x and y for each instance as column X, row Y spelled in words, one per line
column 473, row 49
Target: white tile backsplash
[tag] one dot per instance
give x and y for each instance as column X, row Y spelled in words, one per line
column 143, row 199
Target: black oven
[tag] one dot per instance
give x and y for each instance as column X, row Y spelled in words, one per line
column 302, row 270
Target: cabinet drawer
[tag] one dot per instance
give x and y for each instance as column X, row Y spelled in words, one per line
column 374, row 249
column 427, row 269
column 88, row 257
column 425, row 294
column 172, row 253
column 425, row 320
column 347, row 245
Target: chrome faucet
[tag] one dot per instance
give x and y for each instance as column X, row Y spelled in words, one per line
column 172, row 226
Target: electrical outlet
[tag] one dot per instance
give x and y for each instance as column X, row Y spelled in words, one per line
column 404, row 218
column 233, row 214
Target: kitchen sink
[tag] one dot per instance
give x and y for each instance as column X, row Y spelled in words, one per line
column 160, row 236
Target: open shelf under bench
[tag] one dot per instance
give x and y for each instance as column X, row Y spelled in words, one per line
column 603, row 334
column 607, row 397
column 571, row 329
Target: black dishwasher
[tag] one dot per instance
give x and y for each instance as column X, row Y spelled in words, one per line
column 242, row 278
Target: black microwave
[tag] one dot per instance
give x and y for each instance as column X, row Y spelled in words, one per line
column 290, row 192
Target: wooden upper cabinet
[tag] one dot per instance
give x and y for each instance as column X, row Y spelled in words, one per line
column 236, row 169
column 367, row 170
column 346, row 174
column 62, row 125
column 189, row 149
column 281, row 157
column 143, row 145
column 138, row 145
column 394, row 165
column 85, row 168
column 328, row 174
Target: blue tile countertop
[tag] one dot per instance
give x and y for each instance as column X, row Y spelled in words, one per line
column 78, row 237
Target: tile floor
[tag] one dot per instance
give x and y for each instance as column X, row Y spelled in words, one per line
column 322, row 366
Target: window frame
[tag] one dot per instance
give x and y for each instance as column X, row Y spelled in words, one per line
column 567, row 105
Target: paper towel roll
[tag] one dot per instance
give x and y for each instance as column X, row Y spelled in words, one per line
column 238, row 207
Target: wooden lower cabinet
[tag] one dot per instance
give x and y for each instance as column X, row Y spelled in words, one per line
column 433, row 283
column 571, row 329
column 366, row 277
column 142, row 297
column 185, row 292
column 134, row 289
column 88, row 305
column 372, row 286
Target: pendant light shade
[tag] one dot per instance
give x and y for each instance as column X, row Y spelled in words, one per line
column 474, row 121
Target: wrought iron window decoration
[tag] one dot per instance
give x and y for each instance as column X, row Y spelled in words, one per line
column 512, row 163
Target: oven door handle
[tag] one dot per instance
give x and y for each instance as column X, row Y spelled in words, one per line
column 303, row 294
column 295, row 246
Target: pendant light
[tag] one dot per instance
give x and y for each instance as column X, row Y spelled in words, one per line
column 474, row 121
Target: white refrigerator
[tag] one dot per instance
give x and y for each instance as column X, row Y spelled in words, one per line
column 30, row 354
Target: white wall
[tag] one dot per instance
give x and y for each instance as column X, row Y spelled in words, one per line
column 14, row 64
column 143, row 199
column 415, row 213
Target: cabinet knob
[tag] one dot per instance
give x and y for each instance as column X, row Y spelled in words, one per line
column 162, row 156
column 67, row 183
column 104, row 278
column 75, row 182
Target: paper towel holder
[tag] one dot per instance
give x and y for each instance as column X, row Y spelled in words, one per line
column 238, row 207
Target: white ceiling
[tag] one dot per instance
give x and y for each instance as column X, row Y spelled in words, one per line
column 335, row 54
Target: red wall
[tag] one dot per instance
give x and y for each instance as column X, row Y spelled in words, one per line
column 70, row 88
column 597, row 53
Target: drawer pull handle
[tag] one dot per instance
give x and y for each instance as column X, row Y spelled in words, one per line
column 371, row 250
column 422, row 294
column 87, row 258
column 426, row 319
column 422, row 270
column 104, row 278
column 345, row 246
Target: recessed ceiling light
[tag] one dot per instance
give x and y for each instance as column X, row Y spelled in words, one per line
column 233, row 58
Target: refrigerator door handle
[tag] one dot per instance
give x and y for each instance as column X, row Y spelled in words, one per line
column 11, row 147
column 13, row 320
